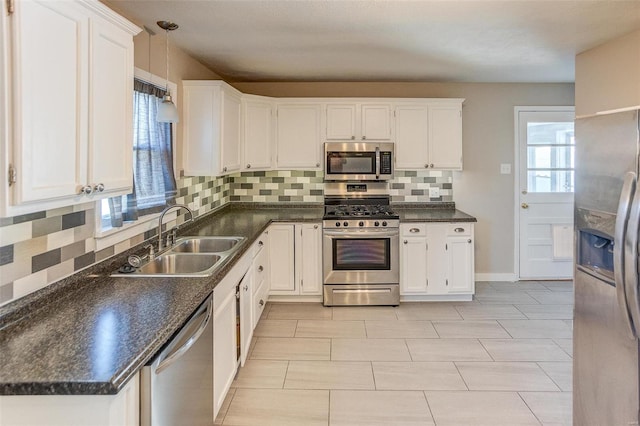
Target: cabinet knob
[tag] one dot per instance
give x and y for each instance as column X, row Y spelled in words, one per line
column 317, row 164
column 353, row 137
column 246, row 287
column 261, row 302
column 525, row 205
column 426, row 166
column 459, row 230
column 406, row 242
column 99, row 187
column 224, row 169
column 364, row 137
column 431, row 165
column 86, row 190
column 260, row 243
column 469, row 240
column 248, row 166
column 260, row 268
column 414, row 230
column 315, row 226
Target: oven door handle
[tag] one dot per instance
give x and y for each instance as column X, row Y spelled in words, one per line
column 359, row 233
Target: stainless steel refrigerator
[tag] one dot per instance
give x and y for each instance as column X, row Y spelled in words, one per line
column 607, row 310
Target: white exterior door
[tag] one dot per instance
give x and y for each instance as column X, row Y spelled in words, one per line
column 546, row 146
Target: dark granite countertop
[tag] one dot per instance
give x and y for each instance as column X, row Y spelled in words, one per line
column 90, row 333
column 435, row 212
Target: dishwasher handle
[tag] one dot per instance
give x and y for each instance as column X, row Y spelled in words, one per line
column 172, row 353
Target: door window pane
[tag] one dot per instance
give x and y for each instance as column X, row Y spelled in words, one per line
column 550, row 156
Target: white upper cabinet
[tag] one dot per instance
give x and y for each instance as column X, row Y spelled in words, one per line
column 358, row 121
column 257, row 133
column 211, row 128
column 69, row 76
column 445, row 137
column 298, row 142
column 429, row 135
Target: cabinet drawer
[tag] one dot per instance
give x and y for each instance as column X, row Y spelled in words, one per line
column 413, row 229
column 459, row 229
column 260, row 301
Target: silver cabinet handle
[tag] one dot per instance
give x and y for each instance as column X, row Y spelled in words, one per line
column 248, row 166
column 406, row 242
column 414, row 230
column 260, row 243
column 459, row 230
column 261, row 302
column 86, row 190
column 260, row 268
column 99, row 187
column 629, row 308
column 469, row 240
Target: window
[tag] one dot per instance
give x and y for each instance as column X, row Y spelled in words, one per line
column 550, row 157
column 154, row 184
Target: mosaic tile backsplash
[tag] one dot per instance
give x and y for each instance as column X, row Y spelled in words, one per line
column 41, row 248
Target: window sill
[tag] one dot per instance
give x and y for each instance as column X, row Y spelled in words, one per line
column 112, row 236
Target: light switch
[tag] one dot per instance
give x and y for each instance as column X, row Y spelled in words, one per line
column 434, row 192
column 505, row 168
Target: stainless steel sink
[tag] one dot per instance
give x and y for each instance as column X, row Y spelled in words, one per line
column 205, row 244
column 180, row 264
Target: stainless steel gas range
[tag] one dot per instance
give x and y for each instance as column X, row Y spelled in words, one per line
column 360, row 245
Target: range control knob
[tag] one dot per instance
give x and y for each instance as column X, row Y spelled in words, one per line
column 337, row 223
column 384, row 223
column 376, row 223
column 345, row 223
column 361, row 223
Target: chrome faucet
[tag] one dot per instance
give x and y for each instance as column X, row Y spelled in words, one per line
column 177, row 206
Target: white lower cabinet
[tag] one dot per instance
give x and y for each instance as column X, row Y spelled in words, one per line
column 436, row 259
column 296, row 261
column 122, row 409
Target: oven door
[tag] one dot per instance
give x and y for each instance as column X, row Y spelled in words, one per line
column 351, row 165
column 360, row 256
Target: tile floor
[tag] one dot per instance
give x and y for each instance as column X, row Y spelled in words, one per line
column 503, row 359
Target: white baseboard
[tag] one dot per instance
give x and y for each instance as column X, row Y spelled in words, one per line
column 496, row 277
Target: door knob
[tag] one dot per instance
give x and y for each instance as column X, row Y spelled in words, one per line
column 524, row 205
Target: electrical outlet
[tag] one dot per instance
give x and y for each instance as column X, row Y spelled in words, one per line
column 505, row 168
column 434, row 192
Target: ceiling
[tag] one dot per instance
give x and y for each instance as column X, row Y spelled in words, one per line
column 394, row 40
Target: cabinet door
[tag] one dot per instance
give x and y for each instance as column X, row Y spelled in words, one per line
column 111, row 100
column 412, row 137
column 201, row 129
column 437, row 259
column 282, row 265
column 310, row 256
column 258, row 134
column 376, row 122
column 246, row 320
column 50, row 104
column 298, row 136
column 341, row 121
column 413, row 265
column 460, row 264
column 231, row 147
column 225, row 359
column 445, row 137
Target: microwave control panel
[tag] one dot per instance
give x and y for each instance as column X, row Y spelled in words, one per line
column 385, row 163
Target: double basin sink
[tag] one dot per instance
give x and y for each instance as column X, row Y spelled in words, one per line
column 188, row 257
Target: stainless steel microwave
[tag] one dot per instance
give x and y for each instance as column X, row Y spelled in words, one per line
column 348, row 161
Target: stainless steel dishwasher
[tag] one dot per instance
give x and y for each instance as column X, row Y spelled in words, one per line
column 177, row 385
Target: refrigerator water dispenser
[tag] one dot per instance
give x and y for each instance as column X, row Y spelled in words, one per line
column 595, row 252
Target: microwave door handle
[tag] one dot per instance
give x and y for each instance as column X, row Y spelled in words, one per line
column 631, row 266
column 377, row 162
column 622, row 248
